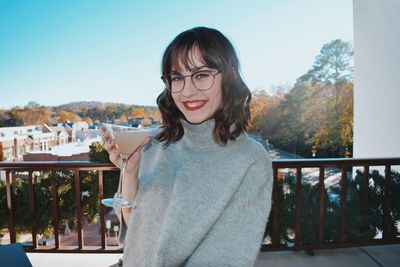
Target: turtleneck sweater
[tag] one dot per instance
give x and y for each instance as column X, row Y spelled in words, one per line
column 199, row 203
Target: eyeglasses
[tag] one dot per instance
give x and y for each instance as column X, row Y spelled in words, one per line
column 202, row 80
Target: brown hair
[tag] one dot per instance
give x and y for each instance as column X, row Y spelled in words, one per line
column 217, row 52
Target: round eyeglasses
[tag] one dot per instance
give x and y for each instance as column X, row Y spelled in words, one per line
column 202, row 80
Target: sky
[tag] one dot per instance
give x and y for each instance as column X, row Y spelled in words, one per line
column 56, row 52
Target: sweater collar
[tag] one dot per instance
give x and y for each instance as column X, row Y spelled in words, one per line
column 199, row 134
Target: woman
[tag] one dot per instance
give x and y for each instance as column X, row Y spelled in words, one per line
column 201, row 188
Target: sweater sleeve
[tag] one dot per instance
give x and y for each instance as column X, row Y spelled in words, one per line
column 235, row 239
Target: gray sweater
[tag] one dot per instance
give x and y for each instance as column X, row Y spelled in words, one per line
column 199, row 203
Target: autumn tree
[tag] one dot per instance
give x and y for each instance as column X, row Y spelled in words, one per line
column 317, row 112
column 333, row 70
column 139, row 113
column 88, row 120
column 30, row 115
column 123, row 119
column 265, row 112
column 67, row 116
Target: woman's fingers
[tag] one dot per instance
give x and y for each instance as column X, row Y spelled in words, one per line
column 109, row 145
column 115, row 158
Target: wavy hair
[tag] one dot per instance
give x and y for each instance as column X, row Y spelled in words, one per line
column 231, row 120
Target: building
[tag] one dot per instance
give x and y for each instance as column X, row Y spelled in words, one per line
column 76, row 130
column 74, row 151
column 16, row 141
column 37, row 141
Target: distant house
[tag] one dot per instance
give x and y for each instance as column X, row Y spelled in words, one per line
column 76, row 130
column 17, row 141
column 74, row 151
column 60, row 131
column 46, row 142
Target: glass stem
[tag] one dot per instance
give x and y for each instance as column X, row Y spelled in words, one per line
column 121, row 176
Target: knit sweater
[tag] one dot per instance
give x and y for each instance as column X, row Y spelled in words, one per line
column 199, row 203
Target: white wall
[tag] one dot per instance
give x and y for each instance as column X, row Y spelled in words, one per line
column 376, row 78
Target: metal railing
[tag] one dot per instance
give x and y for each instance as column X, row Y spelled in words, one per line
column 343, row 166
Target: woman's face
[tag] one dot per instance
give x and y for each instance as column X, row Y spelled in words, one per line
column 198, row 106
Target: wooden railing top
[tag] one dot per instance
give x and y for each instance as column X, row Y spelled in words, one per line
column 309, row 162
column 277, row 163
column 56, row 165
column 334, row 162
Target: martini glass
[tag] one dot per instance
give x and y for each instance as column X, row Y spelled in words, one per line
column 127, row 140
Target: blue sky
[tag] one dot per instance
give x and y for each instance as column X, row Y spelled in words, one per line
column 56, row 52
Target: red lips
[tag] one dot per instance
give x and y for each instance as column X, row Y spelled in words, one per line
column 194, row 104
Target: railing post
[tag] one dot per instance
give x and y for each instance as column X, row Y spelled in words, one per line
column 365, row 204
column 78, row 209
column 321, row 224
column 102, row 211
column 32, row 207
column 11, row 222
column 387, row 229
column 343, row 204
column 54, row 205
column 365, row 197
column 275, row 207
column 298, row 207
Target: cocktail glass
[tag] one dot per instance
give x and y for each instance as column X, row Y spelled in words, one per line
column 127, row 139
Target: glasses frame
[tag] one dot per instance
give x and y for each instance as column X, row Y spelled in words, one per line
column 166, row 78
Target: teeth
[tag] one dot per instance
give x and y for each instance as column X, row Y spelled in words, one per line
column 194, row 104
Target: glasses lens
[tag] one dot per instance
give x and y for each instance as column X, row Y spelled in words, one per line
column 176, row 82
column 203, row 80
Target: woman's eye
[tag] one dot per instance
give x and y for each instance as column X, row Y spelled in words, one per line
column 202, row 75
column 176, row 78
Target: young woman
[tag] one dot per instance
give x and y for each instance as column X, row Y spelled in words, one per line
column 200, row 187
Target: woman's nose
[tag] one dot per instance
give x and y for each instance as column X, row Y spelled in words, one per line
column 189, row 89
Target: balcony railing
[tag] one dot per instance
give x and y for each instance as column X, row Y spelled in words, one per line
column 282, row 233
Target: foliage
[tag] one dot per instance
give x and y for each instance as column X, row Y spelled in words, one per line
column 99, row 154
column 333, row 65
column 316, row 114
column 28, row 115
column 34, row 114
column 68, row 116
column 139, row 113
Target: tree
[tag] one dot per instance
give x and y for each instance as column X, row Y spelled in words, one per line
column 139, row 113
column 123, row 119
column 68, row 116
column 265, row 112
column 317, row 113
column 88, row 120
column 333, row 65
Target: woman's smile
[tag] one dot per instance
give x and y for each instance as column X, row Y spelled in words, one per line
column 193, row 105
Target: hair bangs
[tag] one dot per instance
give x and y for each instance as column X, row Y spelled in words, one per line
column 183, row 59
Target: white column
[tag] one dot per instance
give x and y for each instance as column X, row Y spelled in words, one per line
column 376, row 78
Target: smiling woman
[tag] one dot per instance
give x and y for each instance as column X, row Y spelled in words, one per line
column 200, row 98
column 215, row 90
column 201, row 188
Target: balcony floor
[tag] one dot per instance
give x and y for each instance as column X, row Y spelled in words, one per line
column 373, row 256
